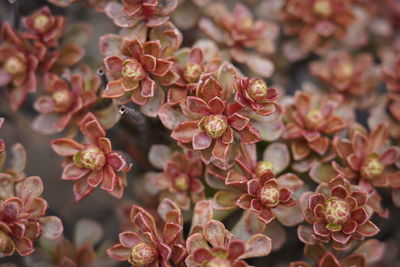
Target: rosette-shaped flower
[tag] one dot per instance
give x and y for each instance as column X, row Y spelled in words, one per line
column 215, row 246
column 240, row 32
column 17, row 66
column 317, row 22
column 367, row 158
column 353, row 77
column 212, row 129
column 134, row 74
column 77, row 253
column 22, row 219
column 310, row 124
column 92, row 163
column 369, row 252
column 256, row 94
column 147, row 244
column 180, row 180
column 65, row 102
column 132, row 12
column 337, row 211
column 44, row 27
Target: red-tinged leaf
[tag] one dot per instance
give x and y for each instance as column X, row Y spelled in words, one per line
column 65, row 147
column 119, row 253
column 72, row 172
column 329, row 260
column 129, row 239
column 278, row 155
column 52, row 227
column 225, row 199
column 367, row 229
column 258, row 245
column 114, row 89
column 70, row 55
column 214, row 233
column 389, row 156
column 249, row 135
column 238, row 121
column 201, row 141
column 81, row 189
column 377, row 138
column 185, row 131
column 197, row 105
column 305, row 234
column 113, row 63
column 110, row 44
column 220, row 150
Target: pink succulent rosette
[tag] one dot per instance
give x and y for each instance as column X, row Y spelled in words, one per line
column 255, row 94
column 213, row 132
column 65, row 102
column 248, row 39
column 18, row 65
column 318, row 22
column 22, row 219
column 310, row 125
column 338, row 212
column 181, row 179
column 215, row 246
column 44, row 27
column 136, row 72
column 131, row 13
column 352, row 77
column 92, row 163
column 147, row 244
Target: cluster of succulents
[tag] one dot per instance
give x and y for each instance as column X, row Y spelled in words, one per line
column 216, row 158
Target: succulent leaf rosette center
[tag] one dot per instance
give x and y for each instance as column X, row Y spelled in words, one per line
column 314, row 118
column 258, row 90
column 91, row 157
column 62, row 100
column 42, row 23
column 323, row 8
column 344, row 71
column 214, row 125
column 262, row 167
column 15, row 66
column 181, row 182
column 142, row 254
column 132, row 70
column 269, row 196
column 337, row 211
column 372, row 167
column 218, row 262
column 192, row 72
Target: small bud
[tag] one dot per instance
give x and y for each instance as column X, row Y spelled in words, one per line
column 269, row 196
column 15, row 66
column 257, row 90
column 62, row 100
column 142, row 254
column 132, row 70
column 372, row 167
column 42, row 23
column 192, row 72
column 323, row 8
column 218, row 262
column 344, row 71
column 337, row 211
column 91, row 158
column 181, row 182
column 263, row 167
column 314, row 118
column 214, row 125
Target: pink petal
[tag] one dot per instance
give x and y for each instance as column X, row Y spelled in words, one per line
column 72, row 172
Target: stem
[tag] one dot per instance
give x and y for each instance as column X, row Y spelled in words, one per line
column 139, row 120
column 16, row 13
column 104, row 80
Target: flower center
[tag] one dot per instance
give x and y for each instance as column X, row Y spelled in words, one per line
column 192, row 72
column 133, row 70
column 142, row 254
column 41, row 23
column 270, row 196
column 218, row 262
column 215, row 125
column 258, row 90
column 345, row 70
column 323, row 8
column 337, row 211
column 182, row 182
column 262, row 167
column 314, row 117
column 90, row 158
column 372, row 167
column 15, row 66
column 62, row 100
